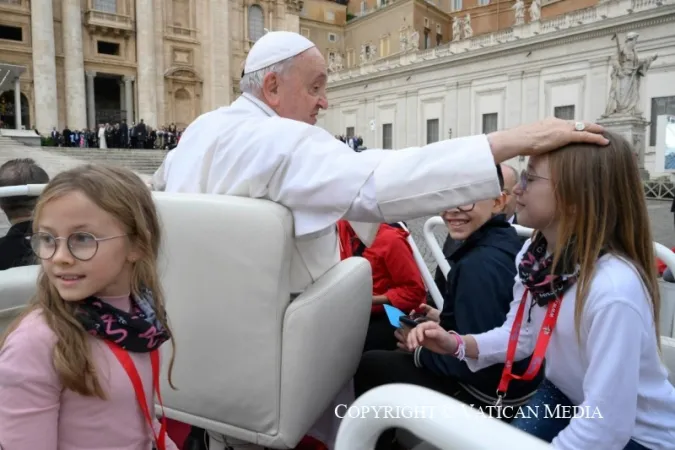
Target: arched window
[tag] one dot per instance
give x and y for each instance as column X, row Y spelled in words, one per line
column 256, row 23
column 109, row 6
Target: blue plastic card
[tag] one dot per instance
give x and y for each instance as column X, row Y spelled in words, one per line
column 393, row 314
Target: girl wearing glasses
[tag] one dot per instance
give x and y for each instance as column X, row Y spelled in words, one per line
column 585, row 299
column 78, row 369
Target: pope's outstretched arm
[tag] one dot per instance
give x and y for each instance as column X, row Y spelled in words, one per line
column 422, row 181
column 322, row 180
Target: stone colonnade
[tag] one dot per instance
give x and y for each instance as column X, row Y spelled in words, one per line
column 213, row 17
column 79, row 94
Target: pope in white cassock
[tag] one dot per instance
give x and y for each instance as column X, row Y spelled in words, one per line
column 265, row 145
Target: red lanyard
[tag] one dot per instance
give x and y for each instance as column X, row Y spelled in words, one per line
column 130, row 368
column 539, row 348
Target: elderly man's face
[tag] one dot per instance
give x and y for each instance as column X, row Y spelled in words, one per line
column 302, row 90
column 510, row 181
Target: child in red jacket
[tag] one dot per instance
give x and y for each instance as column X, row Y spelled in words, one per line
column 396, row 278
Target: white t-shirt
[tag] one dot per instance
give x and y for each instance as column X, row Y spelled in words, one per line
column 614, row 369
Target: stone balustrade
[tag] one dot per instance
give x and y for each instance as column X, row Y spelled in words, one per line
column 605, row 9
column 181, row 32
column 103, row 20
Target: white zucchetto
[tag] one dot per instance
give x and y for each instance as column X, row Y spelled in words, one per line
column 275, row 47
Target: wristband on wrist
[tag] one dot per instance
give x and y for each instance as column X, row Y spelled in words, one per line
column 460, row 353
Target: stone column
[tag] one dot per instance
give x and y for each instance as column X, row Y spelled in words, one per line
column 514, row 97
column 91, row 105
column 44, row 65
column 17, row 104
column 221, row 76
column 145, row 54
column 76, row 116
column 464, row 102
column 122, row 95
column 129, row 100
column 160, row 99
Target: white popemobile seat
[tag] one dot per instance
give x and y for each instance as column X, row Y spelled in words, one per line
column 251, row 364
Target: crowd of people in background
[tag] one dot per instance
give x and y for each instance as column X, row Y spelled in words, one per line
column 119, row 135
column 354, row 142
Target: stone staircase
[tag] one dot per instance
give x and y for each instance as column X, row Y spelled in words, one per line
column 140, row 161
column 57, row 159
column 52, row 163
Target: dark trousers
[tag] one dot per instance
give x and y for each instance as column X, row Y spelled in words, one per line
column 380, row 334
column 386, row 367
column 547, row 428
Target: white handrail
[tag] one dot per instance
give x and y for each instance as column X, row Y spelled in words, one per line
column 432, row 243
column 32, row 190
column 437, row 419
column 661, row 251
column 427, row 277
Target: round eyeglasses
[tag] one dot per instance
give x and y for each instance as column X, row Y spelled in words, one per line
column 463, row 208
column 82, row 245
column 526, row 178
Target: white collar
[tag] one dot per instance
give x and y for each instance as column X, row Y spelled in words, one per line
column 260, row 104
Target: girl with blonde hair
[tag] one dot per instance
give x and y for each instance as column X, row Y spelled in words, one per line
column 79, row 369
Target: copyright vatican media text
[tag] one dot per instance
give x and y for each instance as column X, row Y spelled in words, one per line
column 497, row 412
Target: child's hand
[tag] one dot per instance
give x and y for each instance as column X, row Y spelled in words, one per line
column 432, row 336
column 430, row 313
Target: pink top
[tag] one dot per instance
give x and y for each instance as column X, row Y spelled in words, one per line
column 37, row 414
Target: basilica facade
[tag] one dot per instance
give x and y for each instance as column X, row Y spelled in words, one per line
column 79, row 63
column 536, row 65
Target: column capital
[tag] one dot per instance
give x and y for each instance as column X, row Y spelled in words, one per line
column 129, row 78
column 90, row 73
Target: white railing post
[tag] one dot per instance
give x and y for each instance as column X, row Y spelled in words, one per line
column 433, row 417
column 427, row 276
column 32, row 190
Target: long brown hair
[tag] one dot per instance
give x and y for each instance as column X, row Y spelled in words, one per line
column 602, row 207
column 122, row 194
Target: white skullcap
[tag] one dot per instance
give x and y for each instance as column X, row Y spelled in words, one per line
column 275, row 47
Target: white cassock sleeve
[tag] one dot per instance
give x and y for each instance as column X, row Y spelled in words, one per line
column 322, row 182
column 466, row 174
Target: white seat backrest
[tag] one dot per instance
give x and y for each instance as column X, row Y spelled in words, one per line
column 225, row 268
column 667, row 312
column 668, row 353
column 17, row 287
